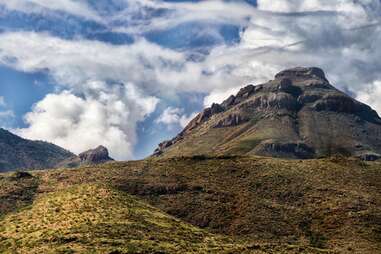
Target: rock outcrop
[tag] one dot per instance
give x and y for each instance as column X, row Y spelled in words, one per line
column 299, row 114
column 95, row 156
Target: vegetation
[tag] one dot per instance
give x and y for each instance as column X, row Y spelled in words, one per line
column 97, row 219
column 198, row 204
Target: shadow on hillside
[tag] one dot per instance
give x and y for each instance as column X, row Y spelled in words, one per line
column 17, row 190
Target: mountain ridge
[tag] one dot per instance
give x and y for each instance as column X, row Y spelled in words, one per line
column 19, row 153
column 298, row 114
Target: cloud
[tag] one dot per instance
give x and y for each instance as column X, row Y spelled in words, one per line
column 73, row 62
column 79, row 123
column 76, row 8
column 372, row 95
column 175, row 116
column 6, row 114
column 342, row 37
column 2, row 102
column 174, row 13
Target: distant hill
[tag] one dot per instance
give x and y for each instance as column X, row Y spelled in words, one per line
column 19, row 153
column 299, row 114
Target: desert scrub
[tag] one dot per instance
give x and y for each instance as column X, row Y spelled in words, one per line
column 99, row 219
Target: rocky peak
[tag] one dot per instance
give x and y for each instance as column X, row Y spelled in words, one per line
column 301, row 73
column 95, row 156
column 298, row 114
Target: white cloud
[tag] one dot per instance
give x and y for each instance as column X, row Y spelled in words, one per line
column 79, row 124
column 372, row 95
column 340, row 36
column 76, row 8
column 2, row 102
column 215, row 11
column 74, row 63
column 6, row 114
column 175, row 116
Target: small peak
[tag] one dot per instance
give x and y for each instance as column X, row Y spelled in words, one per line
column 95, row 156
column 301, row 73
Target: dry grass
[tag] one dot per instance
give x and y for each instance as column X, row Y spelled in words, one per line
column 266, row 205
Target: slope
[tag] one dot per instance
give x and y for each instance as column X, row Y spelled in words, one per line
column 272, row 205
column 299, row 114
column 19, row 153
column 93, row 218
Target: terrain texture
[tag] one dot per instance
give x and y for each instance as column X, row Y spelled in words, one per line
column 289, row 166
column 195, row 205
column 299, row 114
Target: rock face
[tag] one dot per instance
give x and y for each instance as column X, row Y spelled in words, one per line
column 299, row 114
column 17, row 153
column 95, row 156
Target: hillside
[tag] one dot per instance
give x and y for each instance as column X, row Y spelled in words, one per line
column 261, row 205
column 97, row 219
column 299, row 114
column 19, row 153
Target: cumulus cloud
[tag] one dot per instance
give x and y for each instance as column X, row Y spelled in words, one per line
column 342, row 37
column 99, row 80
column 371, row 95
column 78, row 123
column 175, row 116
column 76, row 8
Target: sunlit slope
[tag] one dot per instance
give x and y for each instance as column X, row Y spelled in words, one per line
column 97, row 219
column 261, row 205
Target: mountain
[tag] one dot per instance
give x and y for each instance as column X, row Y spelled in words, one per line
column 19, row 153
column 224, row 204
column 299, row 114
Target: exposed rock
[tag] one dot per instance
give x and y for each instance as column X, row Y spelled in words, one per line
column 289, row 150
column 95, row 156
column 286, row 86
column 231, row 120
column 245, row 92
column 301, row 73
column 208, row 112
column 228, row 102
column 299, row 114
column 165, row 144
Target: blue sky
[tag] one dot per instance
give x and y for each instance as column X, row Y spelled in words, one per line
column 128, row 74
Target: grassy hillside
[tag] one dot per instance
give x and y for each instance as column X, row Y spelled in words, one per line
column 261, row 205
column 95, row 218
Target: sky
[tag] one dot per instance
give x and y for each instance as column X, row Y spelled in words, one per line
column 128, row 74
